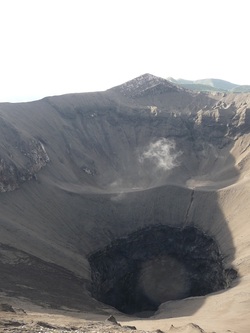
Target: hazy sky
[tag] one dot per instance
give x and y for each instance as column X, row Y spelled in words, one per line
column 51, row 47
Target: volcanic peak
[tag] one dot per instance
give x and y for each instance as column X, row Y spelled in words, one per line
column 146, row 84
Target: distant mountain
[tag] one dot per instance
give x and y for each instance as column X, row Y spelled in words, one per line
column 199, row 87
column 217, row 84
column 241, row 89
column 210, row 85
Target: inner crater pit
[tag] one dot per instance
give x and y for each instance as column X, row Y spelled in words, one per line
column 157, row 264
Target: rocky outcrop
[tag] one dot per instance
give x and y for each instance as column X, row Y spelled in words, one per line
column 32, row 157
column 145, row 84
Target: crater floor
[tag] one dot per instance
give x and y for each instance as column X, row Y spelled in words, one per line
column 155, row 265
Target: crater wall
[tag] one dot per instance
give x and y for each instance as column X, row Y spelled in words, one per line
column 120, row 165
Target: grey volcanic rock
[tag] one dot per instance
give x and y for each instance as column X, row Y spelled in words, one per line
column 147, row 84
column 21, row 157
column 139, row 156
column 6, row 308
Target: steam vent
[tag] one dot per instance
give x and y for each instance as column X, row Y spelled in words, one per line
column 135, row 199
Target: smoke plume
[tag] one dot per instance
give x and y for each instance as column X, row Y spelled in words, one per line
column 161, row 153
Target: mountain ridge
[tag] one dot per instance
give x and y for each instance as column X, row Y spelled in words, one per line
column 210, row 84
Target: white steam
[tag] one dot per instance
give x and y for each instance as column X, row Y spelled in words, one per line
column 162, row 154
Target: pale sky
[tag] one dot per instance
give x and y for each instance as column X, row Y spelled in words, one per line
column 53, row 47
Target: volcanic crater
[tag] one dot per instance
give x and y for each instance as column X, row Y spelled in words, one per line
column 129, row 198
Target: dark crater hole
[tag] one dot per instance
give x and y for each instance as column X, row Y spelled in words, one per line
column 157, row 264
